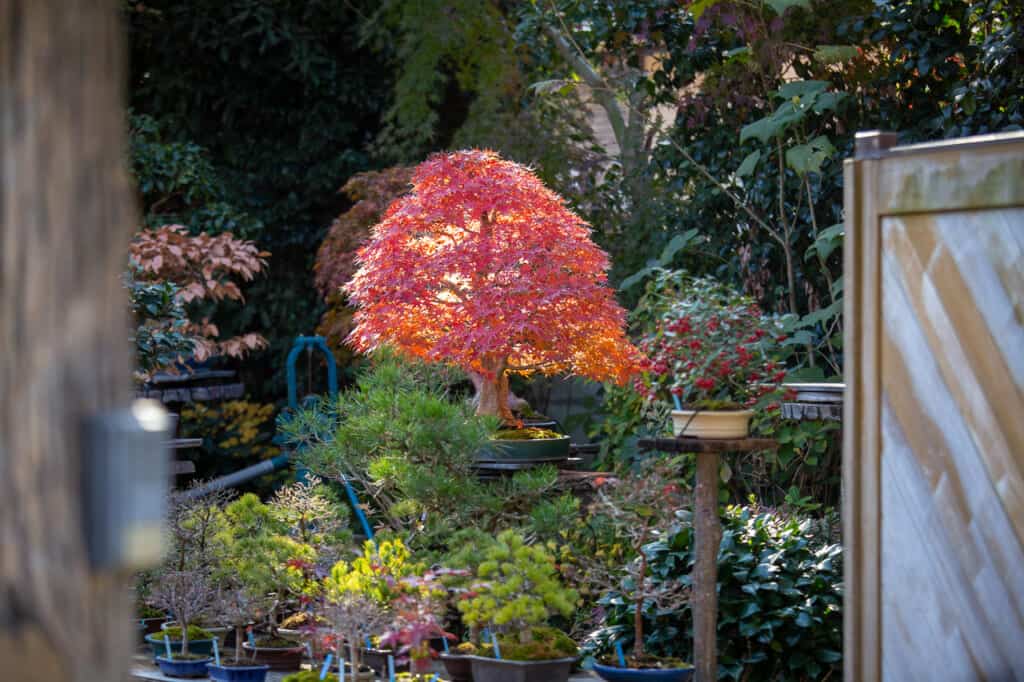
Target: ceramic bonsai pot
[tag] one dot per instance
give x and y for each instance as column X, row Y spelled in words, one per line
column 202, row 647
column 459, row 667
column 174, row 667
column 711, row 423
column 151, row 625
column 220, row 632
column 378, row 660
column 497, row 670
column 537, row 450
column 281, row 659
column 237, row 673
column 614, row 674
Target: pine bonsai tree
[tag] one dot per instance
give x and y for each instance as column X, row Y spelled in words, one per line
column 484, row 267
column 518, row 589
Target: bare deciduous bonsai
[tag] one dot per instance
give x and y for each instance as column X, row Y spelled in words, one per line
column 186, row 595
column 641, row 508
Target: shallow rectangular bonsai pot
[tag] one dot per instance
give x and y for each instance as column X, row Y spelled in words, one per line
column 498, row 670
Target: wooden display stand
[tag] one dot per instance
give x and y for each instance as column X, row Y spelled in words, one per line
column 707, row 536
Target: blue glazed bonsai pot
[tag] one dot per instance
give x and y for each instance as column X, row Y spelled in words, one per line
column 613, row 674
column 183, row 667
column 238, row 673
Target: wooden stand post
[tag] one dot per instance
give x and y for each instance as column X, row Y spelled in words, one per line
column 707, row 538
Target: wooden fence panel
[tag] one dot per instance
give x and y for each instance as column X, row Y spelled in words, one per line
column 934, row 445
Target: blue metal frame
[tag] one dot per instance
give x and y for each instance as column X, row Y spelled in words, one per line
column 317, row 342
column 310, row 342
column 301, row 343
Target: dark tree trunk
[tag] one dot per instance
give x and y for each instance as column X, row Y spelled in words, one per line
column 66, row 216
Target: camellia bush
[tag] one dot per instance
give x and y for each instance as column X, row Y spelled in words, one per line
column 780, row 595
column 483, row 267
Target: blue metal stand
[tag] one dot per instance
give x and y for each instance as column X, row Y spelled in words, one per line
column 310, row 343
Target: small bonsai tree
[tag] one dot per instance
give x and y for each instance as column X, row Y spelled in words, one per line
column 358, row 595
column 186, row 595
column 257, row 550
column 183, row 585
column 483, row 267
column 518, row 588
column 641, row 508
column 234, row 606
column 313, row 517
column 420, row 607
column 353, row 618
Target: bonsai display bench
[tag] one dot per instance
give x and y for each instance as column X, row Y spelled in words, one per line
column 707, row 529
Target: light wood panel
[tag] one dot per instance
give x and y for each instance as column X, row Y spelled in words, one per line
column 934, row 447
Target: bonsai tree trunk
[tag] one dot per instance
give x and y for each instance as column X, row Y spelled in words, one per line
column 638, row 615
column 239, row 634
column 494, row 399
column 184, row 637
column 492, row 390
column 66, row 218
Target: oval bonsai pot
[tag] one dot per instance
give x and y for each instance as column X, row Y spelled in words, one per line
column 172, row 667
column 614, row 674
column 238, row 673
column 282, row 659
column 538, row 450
column 711, row 423
column 500, row 670
column 459, row 667
column 201, row 647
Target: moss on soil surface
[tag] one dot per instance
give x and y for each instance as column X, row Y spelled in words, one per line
column 547, row 644
column 194, row 633
column 527, row 434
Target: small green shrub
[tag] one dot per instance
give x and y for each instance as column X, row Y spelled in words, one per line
column 780, row 599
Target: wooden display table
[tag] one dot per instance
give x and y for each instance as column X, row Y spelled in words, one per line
column 707, row 529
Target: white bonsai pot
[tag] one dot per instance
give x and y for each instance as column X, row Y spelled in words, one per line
column 711, row 423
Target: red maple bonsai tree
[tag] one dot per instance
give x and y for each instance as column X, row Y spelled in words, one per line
column 482, row 266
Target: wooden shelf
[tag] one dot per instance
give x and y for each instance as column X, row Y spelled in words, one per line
column 719, row 445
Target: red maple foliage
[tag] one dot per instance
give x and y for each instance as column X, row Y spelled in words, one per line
column 372, row 192
column 482, row 266
column 202, row 265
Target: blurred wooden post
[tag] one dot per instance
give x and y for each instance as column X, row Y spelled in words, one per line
column 707, row 529
column 66, row 216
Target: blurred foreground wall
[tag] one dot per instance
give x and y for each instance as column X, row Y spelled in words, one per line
column 65, row 220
